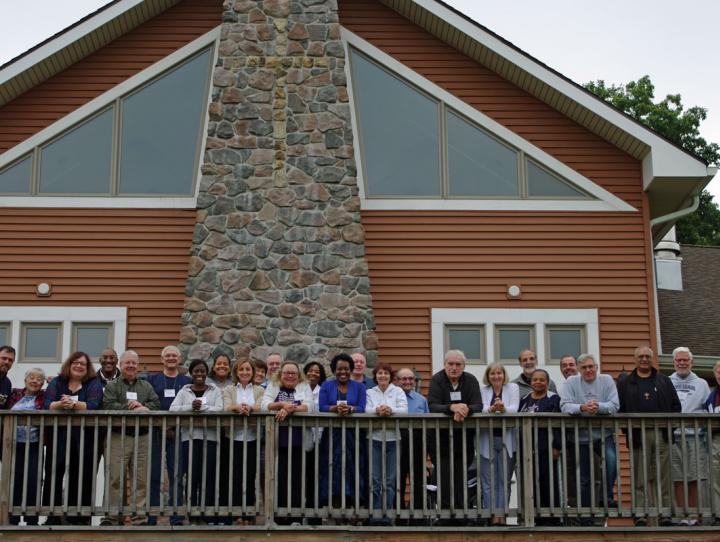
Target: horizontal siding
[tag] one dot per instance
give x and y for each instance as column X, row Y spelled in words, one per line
column 424, row 260
column 136, row 258
column 99, row 72
column 496, row 97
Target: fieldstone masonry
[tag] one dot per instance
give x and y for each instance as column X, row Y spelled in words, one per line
column 277, row 260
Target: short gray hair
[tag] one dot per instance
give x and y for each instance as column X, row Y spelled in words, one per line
column 34, row 371
column 452, row 353
column 127, row 354
column 583, row 357
column 683, row 349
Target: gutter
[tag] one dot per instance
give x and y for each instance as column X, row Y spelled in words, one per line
column 675, row 215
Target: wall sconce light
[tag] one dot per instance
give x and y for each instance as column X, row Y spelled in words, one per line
column 514, row 291
column 43, row 289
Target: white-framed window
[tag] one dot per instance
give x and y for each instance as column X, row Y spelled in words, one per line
column 44, row 336
column 550, row 332
column 4, row 333
column 422, row 148
column 138, row 145
column 470, row 339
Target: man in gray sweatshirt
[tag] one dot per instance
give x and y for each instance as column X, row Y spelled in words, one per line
column 591, row 394
column 689, row 461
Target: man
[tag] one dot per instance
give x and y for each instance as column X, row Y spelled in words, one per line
column 128, row 452
column 358, row 373
column 568, row 366
column 108, row 366
column 592, row 394
column 528, row 363
column 7, row 358
column 273, row 362
column 166, row 385
column 417, row 404
column 455, row 393
column 646, row 390
column 689, row 461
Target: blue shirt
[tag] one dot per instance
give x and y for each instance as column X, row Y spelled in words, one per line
column 417, row 404
column 356, row 395
column 160, row 383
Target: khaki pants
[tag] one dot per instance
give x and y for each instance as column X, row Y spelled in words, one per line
column 123, row 461
column 648, row 461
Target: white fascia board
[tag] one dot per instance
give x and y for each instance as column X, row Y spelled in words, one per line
column 664, row 160
column 105, row 99
column 606, row 201
column 66, row 39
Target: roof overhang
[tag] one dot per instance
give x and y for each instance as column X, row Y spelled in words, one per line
column 671, row 175
column 75, row 43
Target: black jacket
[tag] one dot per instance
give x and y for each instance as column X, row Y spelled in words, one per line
column 440, row 388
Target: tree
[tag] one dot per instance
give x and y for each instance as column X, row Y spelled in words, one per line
column 681, row 126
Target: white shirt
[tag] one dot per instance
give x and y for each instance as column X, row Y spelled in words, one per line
column 245, row 396
column 395, row 398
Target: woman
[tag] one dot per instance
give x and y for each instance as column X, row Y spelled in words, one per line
column 220, row 377
column 199, row 397
column 75, row 388
column 30, row 397
column 260, row 374
column 497, row 450
column 342, row 396
column 243, row 398
column 287, row 393
column 315, row 375
column 540, row 400
column 384, row 400
column 220, row 372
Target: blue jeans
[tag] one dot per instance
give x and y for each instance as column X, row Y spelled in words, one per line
column 387, row 478
column 502, row 466
column 156, row 475
column 610, row 467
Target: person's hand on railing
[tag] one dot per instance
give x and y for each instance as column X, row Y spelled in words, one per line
column 197, row 405
column 136, row 406
column 384, row 410
column 460, row 411
column 242, row 409
column 498, row 407
column 591, row 406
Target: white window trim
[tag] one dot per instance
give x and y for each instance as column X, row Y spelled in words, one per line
column 95, row 106
column 66, row 316
column 605, row 201
column 539, row 318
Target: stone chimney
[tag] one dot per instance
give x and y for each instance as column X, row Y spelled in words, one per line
column 668, row 263
column 278, row 255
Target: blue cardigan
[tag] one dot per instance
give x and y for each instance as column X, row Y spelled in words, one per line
column 355, row 395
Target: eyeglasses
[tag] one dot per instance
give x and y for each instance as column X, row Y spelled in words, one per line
column 406, row 378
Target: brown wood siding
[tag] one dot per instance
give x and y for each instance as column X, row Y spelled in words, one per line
column 496, row 97
column 99, row 72
column 422, row 260
column 136, row 258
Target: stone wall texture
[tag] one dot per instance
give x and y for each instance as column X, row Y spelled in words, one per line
column 278, row 257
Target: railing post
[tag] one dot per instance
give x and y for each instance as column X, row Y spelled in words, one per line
column 270, row 453
column 6, row 473
column 528, row 485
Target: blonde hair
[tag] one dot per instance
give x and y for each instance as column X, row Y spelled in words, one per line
column 495, row 365
column 278, row 373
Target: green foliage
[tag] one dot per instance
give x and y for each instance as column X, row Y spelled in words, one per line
column 670, row 119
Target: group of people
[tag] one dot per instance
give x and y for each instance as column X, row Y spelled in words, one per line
column 338, row 465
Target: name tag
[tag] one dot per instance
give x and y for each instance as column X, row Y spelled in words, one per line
column 203, row 400
column 170, row 393
column 341, row 402
column 131, row 396
column 74, row 398
column 455, row 396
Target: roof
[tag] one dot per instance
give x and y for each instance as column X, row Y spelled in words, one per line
column 671, row 175
column 691, row 316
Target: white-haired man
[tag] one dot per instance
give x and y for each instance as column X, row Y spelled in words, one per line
column 688, row 461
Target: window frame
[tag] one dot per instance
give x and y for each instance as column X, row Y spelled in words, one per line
column 7, row 326
column 469, row 327
column 549, row 360
column 110, row 326
column 500, row 327
column 208, row 41
column 22, row 350
column 603, row 201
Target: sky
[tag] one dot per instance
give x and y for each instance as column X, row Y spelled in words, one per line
column 615, row 40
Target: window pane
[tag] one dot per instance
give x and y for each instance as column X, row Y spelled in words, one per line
column 565, row 341
column 16, row 178
column 513, row 341
column 79, row 162
column 161, row 131
column 467, row 340
column 398, row 131
column 41, row 342
column 92, row 339
column 478, row 164
column 543, row 184
column 4, row 334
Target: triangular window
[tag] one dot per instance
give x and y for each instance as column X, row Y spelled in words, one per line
column 543, row 184
column 15, row 179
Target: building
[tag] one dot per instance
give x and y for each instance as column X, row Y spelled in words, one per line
column 318, row 176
